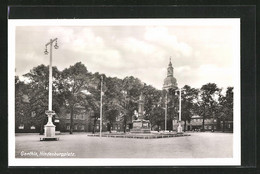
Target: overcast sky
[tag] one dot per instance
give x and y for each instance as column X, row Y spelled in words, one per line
column 200, row 54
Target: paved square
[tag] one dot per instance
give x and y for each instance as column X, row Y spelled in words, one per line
column 79, row 145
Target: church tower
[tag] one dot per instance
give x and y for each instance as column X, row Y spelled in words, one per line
column 170, row 81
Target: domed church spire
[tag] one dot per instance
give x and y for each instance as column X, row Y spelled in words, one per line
column 170, row 81
column 170, row 63
column 170, row 69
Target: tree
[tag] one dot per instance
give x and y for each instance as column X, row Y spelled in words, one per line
column 157, row 116
column 152, row 98
column 229, row 103
column 112, row 99
column 92, row 103
column 189, row 98
column 126, row 116
column 22, row 105
column 225, row 109
column 209, row 101
column 74, row 81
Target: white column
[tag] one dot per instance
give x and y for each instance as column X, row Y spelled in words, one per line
column 50, row 79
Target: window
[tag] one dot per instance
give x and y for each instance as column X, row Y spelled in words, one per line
column 82, row 127
column 215, row 127
column 21, row 126
column 68, row 127
column 209, row 127
column 205, row 127
column 32, row 127
column 33, row 114
column 76, row 127
column 229, row 126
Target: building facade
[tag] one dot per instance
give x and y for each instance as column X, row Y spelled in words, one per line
column 210, row 124
column 83, row 121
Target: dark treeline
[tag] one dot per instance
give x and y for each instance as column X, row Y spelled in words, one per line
column 76, row 86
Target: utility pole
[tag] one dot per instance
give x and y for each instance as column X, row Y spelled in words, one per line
column 101, row 93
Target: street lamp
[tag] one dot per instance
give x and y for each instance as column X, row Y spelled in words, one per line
column 179, row 130
column 49, row 128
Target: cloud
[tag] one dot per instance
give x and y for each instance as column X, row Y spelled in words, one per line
column 214, row 74
column 162, row 37
column 138, row 47
column 183, row 69
column 199, row 54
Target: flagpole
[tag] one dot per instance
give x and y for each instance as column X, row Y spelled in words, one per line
column 100, row 126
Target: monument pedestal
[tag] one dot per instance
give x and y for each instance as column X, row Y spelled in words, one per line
column 49, row 133
column 141, row 126
column 49, row 129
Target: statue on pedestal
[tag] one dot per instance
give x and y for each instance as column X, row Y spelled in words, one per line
column 141, row 125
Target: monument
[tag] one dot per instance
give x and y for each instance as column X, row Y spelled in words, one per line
column 141, row 125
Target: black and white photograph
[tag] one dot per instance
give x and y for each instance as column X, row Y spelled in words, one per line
column 131, row 92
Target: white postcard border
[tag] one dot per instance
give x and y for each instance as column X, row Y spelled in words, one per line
column 235, row 161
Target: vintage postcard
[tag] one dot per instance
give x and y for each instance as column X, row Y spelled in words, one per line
column 124, row 92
